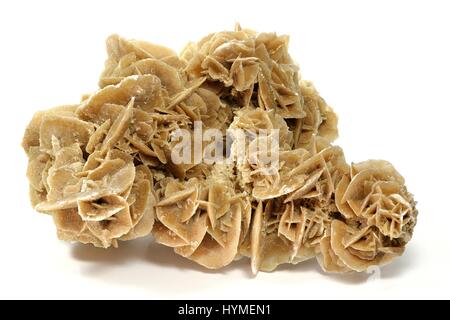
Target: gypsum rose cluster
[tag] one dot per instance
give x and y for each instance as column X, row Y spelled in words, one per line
column 102, row 168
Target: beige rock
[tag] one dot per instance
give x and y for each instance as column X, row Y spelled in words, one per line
column 103, row 168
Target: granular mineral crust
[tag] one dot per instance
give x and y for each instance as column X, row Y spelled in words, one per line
column 103, row 168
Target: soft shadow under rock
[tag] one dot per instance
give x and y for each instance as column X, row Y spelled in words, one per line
column 128, row 264
column 141, row 250
column 134, row 264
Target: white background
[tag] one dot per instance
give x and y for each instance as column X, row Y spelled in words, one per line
column 383, row 65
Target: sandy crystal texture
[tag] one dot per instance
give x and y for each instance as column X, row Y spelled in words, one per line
column 102, row 168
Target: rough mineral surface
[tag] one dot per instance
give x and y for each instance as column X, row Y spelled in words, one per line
column 103, row 169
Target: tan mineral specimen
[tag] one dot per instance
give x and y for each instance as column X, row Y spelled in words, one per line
column 103, row 168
